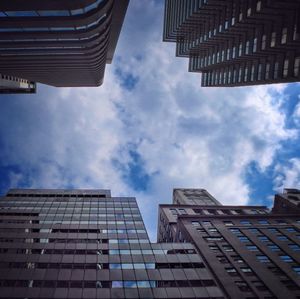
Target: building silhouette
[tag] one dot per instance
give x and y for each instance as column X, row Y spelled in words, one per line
column 87, row 244
column 252, row 252
column 235, row 42
column 59, row 43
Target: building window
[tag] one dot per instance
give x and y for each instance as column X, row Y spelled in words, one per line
column 253, row 230
column 206, row 223
column 247, row 47
column 252, row 248
column 259, row 71
column 213, row 239
column 246, row 74
column 285, row 68
column 294, row 247
column 282, row 238
column 255, row 44
column 263, row 258
column 252, row 72
column 263, row 42
column 247, row 270
column 273, row 230
column 231, row 271
column 249, row 12
column 214, row 248
column 240, row 16
column 240, row 74
column 182, row 211
column 297, row 270
column 222, row 259
column 195, row 223
column 284, row 35
column 286, row 258
column 243, row 286
column 223, row 55
column 263, row 221
column 263, row 238
column 258, row 6
column 276, row 68
column 296, row 66
column 243, row 239
column 240, row 49
column 235, row 231
column 226, row 25
column 273, row 40
column 273, row 247
column 227, row 248
column 245, row 222
column 291, row 229
column 228, row 54
column 295, row 33
column 228, row 223
column 233, row 52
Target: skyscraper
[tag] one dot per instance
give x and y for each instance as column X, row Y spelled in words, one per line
column 59, row 43
column 252, row 252
column 235, row 42
column 87, row 244
column 9, row 84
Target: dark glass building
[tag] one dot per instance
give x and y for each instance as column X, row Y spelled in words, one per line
column 59, row 43
column 86, row 244
column 235, row 42
column 251, row 252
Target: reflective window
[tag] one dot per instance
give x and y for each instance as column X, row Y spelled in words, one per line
column 286, row 258
column 273, row 39
column 21, row 13
column 284, row 35
column 285, row 68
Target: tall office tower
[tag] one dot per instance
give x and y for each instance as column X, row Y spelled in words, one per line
column 235, row 42
column 86, row 244
column 59, row 43
column 9, row 84
column 252, row 252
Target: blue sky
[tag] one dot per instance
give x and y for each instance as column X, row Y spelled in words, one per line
column 151, row 127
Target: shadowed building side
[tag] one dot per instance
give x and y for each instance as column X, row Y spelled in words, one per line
column 59, row 43
column 234, row 42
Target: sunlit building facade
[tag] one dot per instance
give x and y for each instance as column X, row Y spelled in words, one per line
column 59, row 43
column 234, row 42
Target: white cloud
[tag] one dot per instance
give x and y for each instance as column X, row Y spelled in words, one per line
column 296, row 114
column 288, row 175
column 187, row 136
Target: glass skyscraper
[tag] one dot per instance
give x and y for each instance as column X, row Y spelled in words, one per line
column 87, row 244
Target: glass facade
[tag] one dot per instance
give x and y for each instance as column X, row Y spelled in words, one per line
column 87, row 244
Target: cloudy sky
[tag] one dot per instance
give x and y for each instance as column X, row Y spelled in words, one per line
column 151, row 127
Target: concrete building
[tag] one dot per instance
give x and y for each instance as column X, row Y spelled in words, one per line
column 235, row 42
column 252, row 252
column 59, row 43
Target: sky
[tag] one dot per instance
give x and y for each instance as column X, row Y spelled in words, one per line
column 151, row 127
